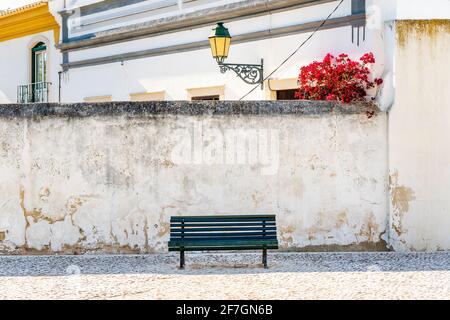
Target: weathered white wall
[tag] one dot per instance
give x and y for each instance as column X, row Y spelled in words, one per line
column 15, row 65
column 111, row 183
column 419, row 130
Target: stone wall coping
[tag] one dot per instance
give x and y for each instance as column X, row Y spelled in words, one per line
column 186, row 108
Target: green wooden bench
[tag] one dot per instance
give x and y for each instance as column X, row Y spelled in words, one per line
column 230, row 232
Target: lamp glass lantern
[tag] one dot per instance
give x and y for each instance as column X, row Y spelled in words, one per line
column 220, row 42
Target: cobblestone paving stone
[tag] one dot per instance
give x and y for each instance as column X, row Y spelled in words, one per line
column 386, row 275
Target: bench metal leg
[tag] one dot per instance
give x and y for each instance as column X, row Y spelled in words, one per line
column 181, row 259
column 264, row 258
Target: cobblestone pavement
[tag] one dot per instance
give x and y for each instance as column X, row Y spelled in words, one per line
column 228, row 276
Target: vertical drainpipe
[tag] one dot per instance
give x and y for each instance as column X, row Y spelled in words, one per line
column 65, row 38
column 65, row 31
column 59, row 86
column 358, row 7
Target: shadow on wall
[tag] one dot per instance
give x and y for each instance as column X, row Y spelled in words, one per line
column 4, row 98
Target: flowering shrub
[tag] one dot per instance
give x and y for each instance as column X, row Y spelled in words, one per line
column 337, row 78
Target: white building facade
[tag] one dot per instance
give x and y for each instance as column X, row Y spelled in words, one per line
column 160, row 50
column 136, row 50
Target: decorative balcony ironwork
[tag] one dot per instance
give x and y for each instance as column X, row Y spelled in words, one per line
column 33, row 93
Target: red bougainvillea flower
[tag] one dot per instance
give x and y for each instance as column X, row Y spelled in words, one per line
column 378, row 81
column 337, row 78
column 368, row 58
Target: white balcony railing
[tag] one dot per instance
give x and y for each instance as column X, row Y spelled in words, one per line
column 33, row 93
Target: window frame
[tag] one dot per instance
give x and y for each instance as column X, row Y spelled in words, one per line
column 39, row 49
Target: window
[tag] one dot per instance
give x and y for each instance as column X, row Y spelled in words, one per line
column 286, row 94
column 39, row 63
column 213, row 98
column 148, row 96
column 98, row 99
column 38, row 90
column 206, row 93
column 281, row 89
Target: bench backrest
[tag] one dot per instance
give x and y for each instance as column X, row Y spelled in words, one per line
column 235, row 228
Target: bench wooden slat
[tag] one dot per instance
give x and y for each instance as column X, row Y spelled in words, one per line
column 194, row 230
column 235, row 242
column 224, row 224
column 230, row 243
column 222, row 234
column 223, row 218
column 200, row 239
column 199, row 248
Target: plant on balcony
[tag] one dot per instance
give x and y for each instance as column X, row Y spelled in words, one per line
column 337, row 78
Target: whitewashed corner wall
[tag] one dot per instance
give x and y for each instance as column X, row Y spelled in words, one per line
column 110, row 183
column 419, row 127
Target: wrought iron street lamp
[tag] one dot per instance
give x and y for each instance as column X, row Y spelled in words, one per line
column 220, row 42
